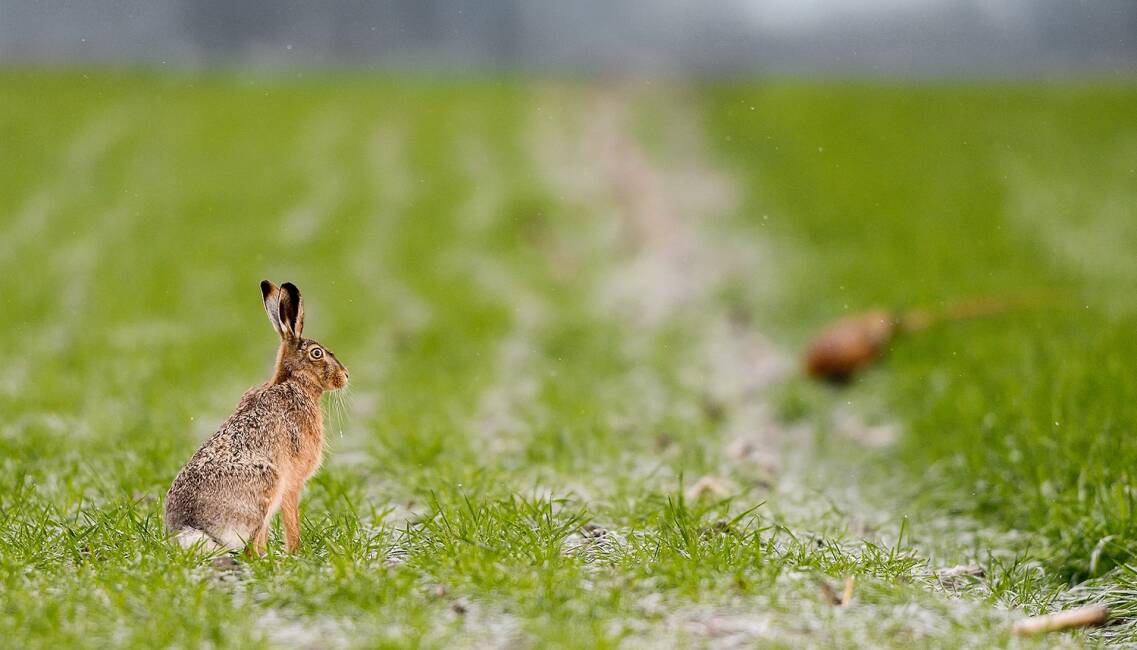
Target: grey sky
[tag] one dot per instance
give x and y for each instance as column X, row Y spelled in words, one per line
column 876, row 37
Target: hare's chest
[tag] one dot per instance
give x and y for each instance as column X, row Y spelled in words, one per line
column 309, row 449
column 310, row 461
column 306, row 449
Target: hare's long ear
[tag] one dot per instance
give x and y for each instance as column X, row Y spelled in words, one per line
column 271, row 295
column 291, row 311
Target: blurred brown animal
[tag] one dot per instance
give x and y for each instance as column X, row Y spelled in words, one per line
column 855, row 342
column 850, row 345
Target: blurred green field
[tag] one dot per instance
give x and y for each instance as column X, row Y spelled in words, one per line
column 921, row 196
column 542, row 364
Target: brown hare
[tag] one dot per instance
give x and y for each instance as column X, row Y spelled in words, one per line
column 260, row 458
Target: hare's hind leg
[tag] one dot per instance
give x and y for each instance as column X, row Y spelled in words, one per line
column 260, row 502
column 259, row 541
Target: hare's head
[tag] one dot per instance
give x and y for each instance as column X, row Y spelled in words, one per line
column 299, row 359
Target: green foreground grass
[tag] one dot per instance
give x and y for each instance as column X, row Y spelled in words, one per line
column 509, row 465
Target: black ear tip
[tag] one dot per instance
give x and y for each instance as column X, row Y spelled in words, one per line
column 266, row 288
column 291, row 289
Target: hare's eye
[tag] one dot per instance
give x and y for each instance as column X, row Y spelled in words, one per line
column 316, row 353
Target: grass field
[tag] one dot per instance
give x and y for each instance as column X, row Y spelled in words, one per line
column 917, row 196
column 563, row 307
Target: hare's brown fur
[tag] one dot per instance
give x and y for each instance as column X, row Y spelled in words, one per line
column 260, row 458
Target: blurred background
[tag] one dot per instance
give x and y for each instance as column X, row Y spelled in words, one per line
column 570, row 248
column 730, row 37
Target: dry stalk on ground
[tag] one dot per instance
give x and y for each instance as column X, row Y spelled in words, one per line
column 1069, row 619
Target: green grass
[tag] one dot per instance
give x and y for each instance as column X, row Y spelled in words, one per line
column 511, row 461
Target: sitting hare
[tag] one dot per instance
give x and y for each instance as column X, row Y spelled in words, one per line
column 258, row 461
